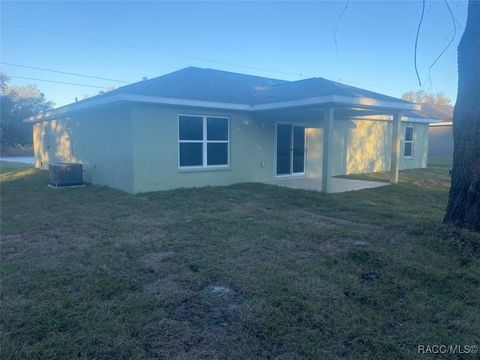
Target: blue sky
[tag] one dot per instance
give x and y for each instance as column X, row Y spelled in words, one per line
column 286, row 40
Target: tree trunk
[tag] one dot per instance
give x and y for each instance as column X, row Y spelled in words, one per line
column 464, row 199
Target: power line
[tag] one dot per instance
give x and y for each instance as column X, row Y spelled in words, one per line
column 63, row 72
column 416, row 43
column 58, row 82
column 335, row 30
column 137, row 48
column 453, row 36
column 198, row 58
column 152, row 50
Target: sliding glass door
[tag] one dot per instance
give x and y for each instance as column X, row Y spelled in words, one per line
column 290, row 149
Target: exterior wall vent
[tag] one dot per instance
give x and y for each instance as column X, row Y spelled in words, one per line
column 65, row 174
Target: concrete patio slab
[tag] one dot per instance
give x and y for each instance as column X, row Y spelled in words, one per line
column 338, row 184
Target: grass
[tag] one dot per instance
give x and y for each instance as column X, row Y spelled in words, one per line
column 245, row 271
column 16, row 150
column 9, row 166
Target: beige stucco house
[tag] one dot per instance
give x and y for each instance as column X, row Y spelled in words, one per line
column 198, row 127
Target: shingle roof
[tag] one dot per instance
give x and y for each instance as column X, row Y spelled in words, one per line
column 202, row 84
column 227, row 87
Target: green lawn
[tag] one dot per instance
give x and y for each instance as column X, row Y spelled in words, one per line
column 239, row 272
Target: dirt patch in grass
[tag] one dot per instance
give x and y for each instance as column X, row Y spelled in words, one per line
column 203, row 321
column 214, row 303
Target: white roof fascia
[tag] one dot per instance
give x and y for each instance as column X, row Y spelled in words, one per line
column 356, row 101
column 389, row 118
column 65, row 110
column 441, row 123
column 419, row 120
column 347, row 100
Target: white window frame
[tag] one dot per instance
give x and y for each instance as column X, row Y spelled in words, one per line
column 405, row 141
column 204, row 143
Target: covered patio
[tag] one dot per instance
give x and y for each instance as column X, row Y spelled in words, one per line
column 322, row 114
column 338, row 185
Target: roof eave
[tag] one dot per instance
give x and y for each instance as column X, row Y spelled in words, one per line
column 362, row 102
column 72, row 108
column 323, row 100
column 389, row 118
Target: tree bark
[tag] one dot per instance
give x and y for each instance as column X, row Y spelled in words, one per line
column 463, row 208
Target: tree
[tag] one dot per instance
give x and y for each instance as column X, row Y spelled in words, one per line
column 463, row 208
column 423, row 97
column 16, row 104
column 4, row 79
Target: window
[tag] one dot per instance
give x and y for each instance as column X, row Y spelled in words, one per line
column 408, row 143
column 203, row 141
column 190, row 137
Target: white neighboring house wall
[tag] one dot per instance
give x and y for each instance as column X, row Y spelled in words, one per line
column 440, row 139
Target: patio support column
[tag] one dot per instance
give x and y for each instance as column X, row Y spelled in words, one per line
column 395, row 159
column 327, row 149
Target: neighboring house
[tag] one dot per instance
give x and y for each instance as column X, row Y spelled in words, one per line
column 199, row 127
column 440, row 135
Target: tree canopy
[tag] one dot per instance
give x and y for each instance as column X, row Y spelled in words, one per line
column 424, row 97
column 16, row 104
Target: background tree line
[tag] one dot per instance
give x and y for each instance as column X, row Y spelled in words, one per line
column 424, row 97
column 16, row 104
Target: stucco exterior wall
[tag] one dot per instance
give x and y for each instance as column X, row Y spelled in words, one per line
column 100, row 140
column 420, row 147
column 155, row 150
column 364, row 146
column 135, row 148
column 314, row 140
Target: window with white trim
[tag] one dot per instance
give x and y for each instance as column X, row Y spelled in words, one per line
column 408, row 142
column 203, row 141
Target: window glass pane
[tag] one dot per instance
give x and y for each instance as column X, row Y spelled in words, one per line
column 298, row 149
column 217, row 154
column 190, row 128
column 408, row 133
column 284, row 144
column 217, row 129
column 408, row 149
column 191, row 154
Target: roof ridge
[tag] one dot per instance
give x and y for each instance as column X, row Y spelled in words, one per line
column 235, row 73
column 303, row 80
